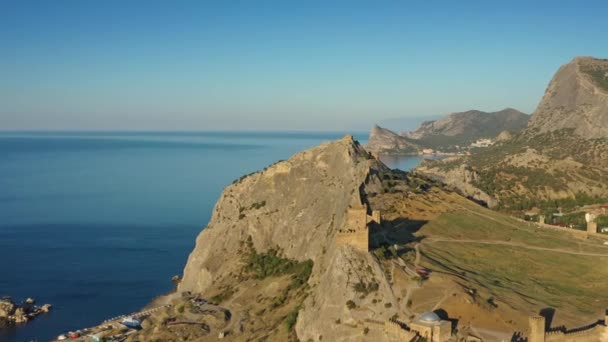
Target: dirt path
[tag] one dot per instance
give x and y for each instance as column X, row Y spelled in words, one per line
column 513, row 244
column 417, row 260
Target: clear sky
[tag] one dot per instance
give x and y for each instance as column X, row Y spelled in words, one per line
column 330, row 65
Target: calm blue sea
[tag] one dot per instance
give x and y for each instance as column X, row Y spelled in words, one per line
column 97, row 223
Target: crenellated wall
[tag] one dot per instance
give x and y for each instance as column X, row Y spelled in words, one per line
column 397, row 331
column 595, row 332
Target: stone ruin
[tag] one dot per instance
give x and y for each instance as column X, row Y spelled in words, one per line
column 357, row 228
column 597, row 331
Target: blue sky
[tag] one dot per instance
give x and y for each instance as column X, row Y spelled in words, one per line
column 306, row 65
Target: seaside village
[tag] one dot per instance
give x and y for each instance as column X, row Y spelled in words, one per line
column 431, row 326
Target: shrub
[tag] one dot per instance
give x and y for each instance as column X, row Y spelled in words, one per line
column 366, row 288
column 292, row 318
column 350, row 304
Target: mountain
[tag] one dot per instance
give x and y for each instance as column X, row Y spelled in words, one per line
column 576, row 98
column 324, row 247
column 382, row 140
column 561, row 156
column 406, row 124
column 466, row 127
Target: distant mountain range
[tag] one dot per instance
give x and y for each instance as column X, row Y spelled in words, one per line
column 465, row 127
column 562, row 154
column 449, row 132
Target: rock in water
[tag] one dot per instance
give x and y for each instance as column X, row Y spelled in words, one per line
column 7, row 308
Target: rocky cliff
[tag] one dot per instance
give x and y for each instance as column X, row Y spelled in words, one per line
column 460, row 177
column 304, row 197
column 382, row 140
column 576, row 98
column 296, row 207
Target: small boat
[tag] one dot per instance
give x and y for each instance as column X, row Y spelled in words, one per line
column 131, row 322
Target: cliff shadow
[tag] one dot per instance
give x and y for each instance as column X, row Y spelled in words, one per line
column 548, row 313
column 400, row 231
column 444, row 316
column 518, row 337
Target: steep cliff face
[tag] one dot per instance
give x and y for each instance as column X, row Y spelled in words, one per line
column 472, row 125
column 382, row 140
column 576, row 98
column 296, row 205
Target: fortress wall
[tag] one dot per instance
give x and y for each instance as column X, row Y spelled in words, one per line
column 594, row 333
column 537, row 329
column 356, row 218
column 357, row 239
column 396, row 332
column 578, row 233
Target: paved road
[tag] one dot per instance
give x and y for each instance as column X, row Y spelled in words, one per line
column 513, row 244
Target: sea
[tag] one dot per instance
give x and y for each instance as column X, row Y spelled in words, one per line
column 97, row 223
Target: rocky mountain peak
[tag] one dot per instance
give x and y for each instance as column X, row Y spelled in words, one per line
column 386, row 141
column 292, row 205
column 577, row 99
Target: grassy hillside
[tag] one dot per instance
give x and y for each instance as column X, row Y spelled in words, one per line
column 486, row 263
column 538, row 170
column 517, row 263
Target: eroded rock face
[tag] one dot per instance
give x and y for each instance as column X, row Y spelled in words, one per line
column 298, row 205
column 7, row 308
column 461, row 178
column 382, row 140
column 577, row 97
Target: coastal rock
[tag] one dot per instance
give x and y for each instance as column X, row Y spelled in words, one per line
column 297, row 207
column 382, row 140
column 304, row 197
column 20, row 315
column 7, row 308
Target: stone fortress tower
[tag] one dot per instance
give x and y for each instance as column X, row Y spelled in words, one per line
column 357, row 228
column 591, row 224
column 537, row 329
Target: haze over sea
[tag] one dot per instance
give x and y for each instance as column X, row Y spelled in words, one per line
column 97, row 223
